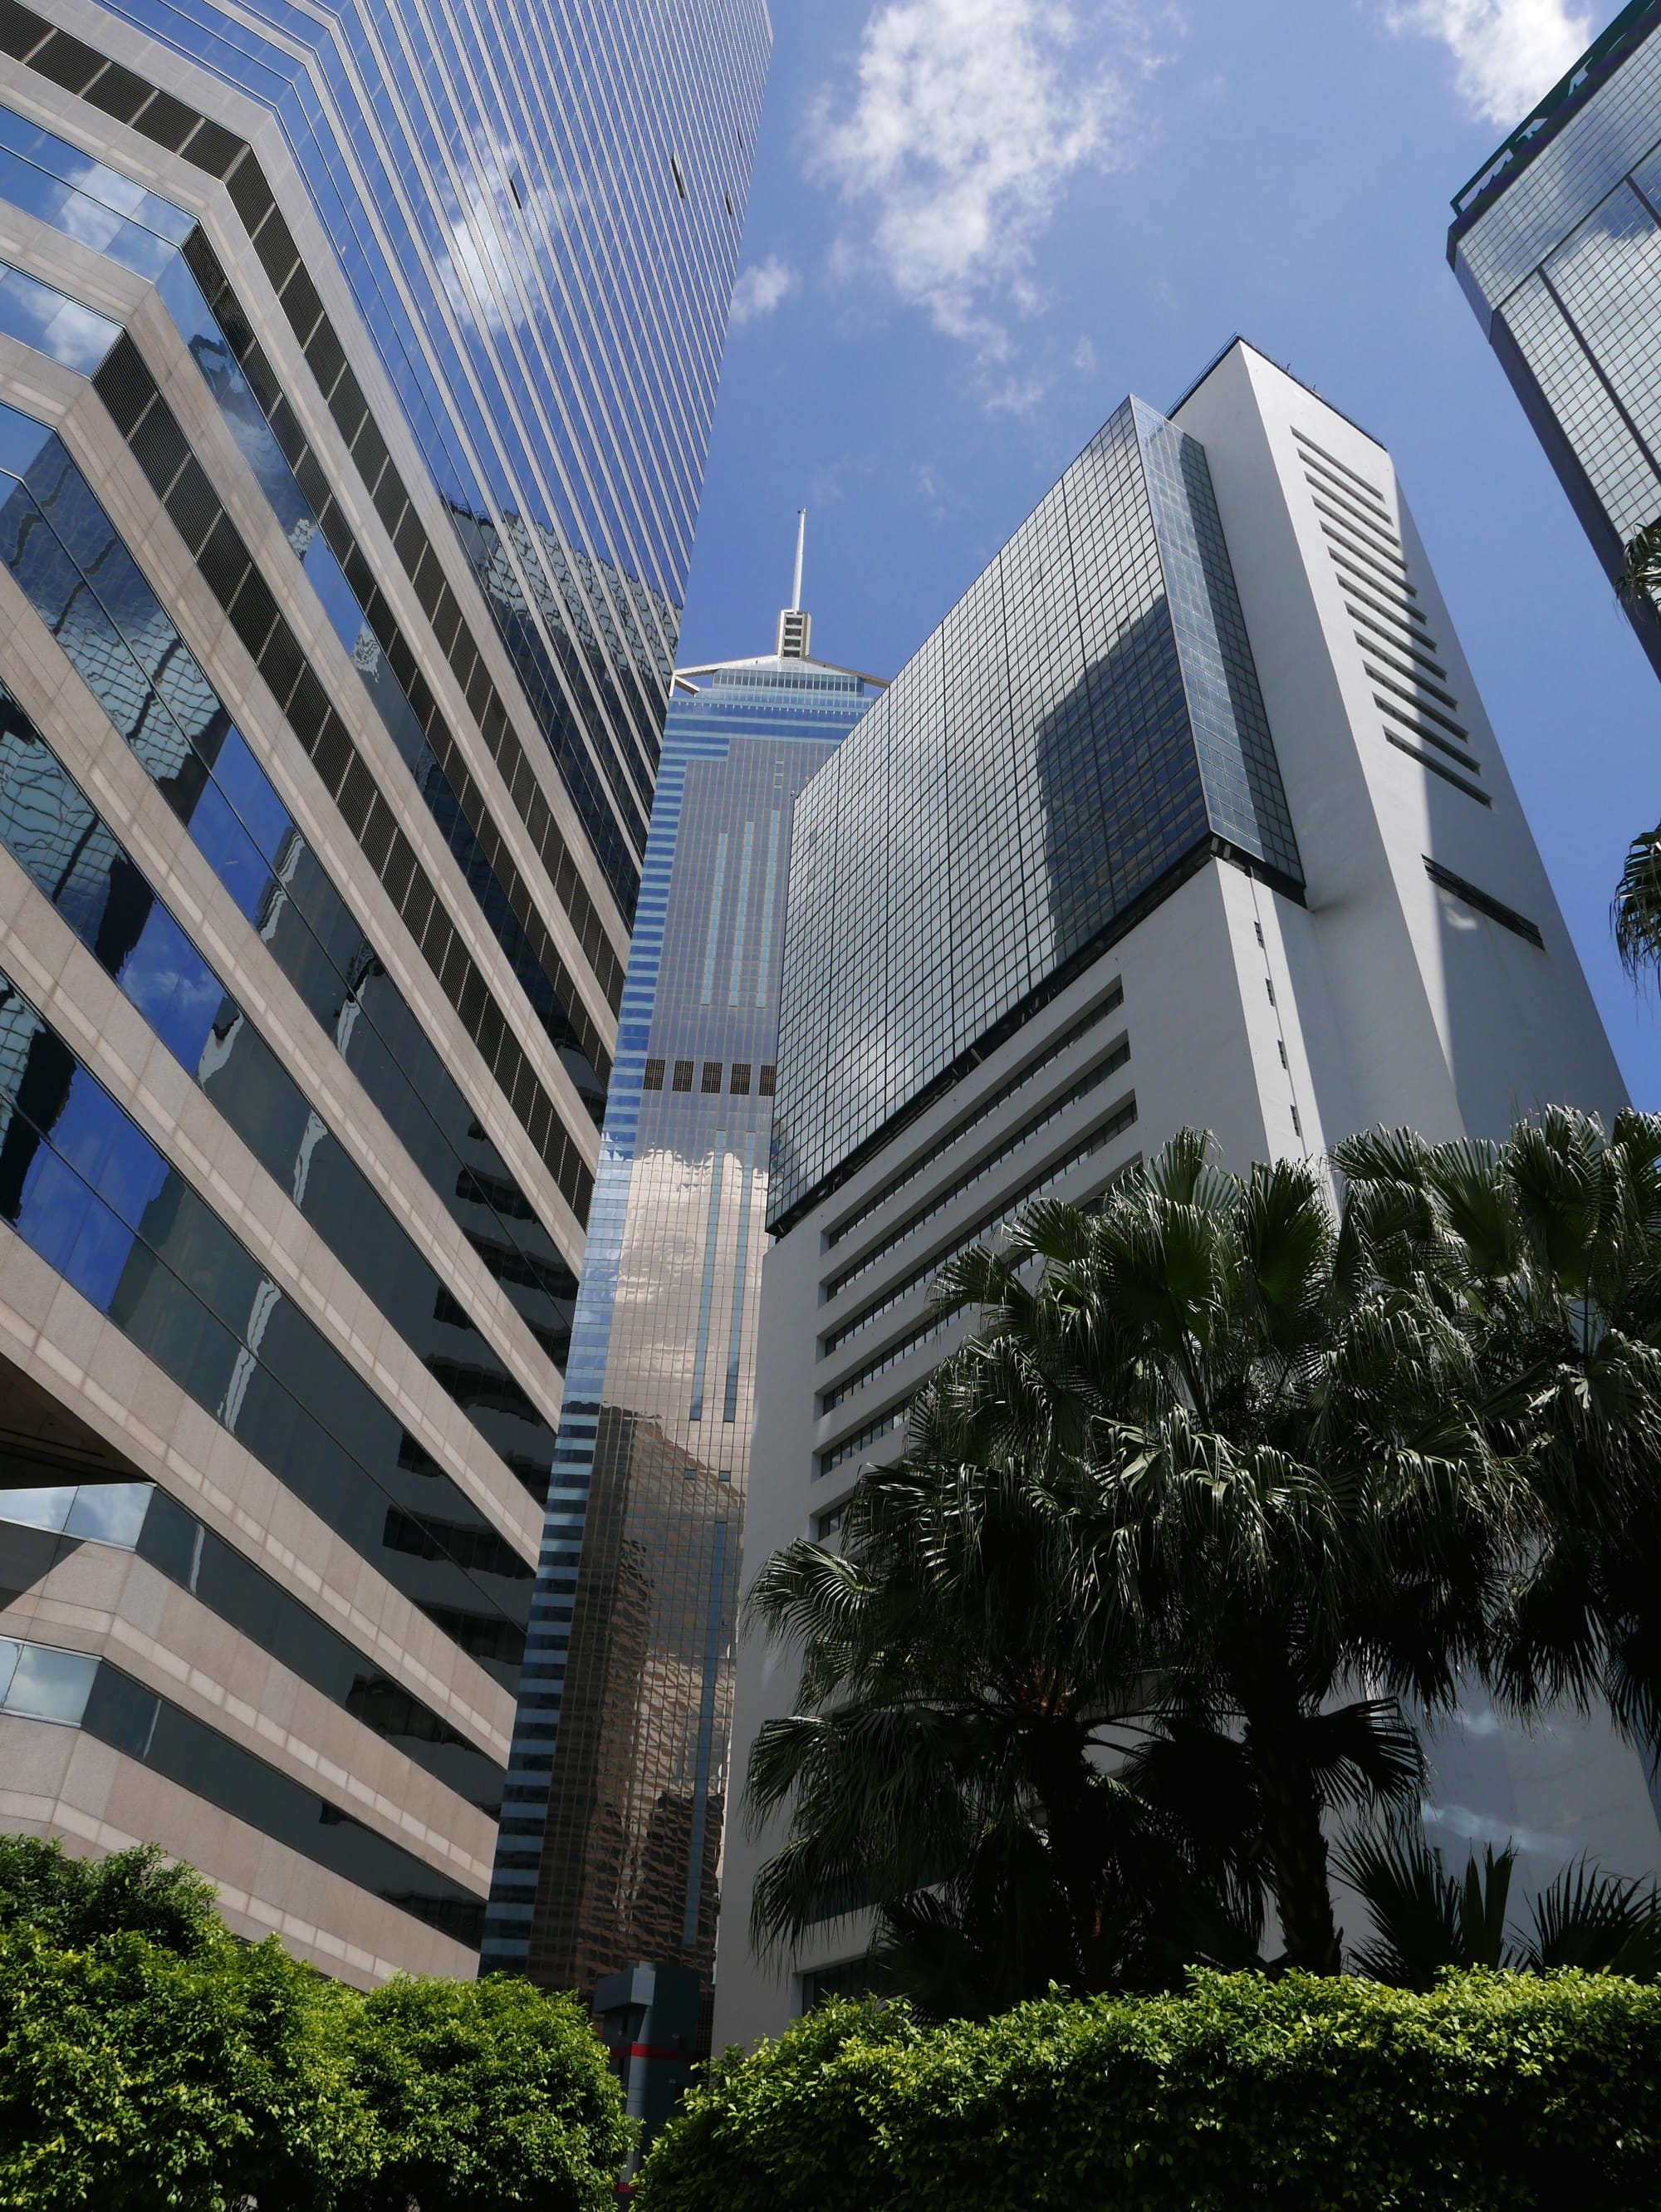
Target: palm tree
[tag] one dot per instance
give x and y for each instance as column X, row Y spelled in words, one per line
column 1637, row 907
column 1425, row 1921
column 1206, row 1498
column 1549, row 1247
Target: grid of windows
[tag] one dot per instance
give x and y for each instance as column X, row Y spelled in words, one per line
column 1029, row 1072
column 584, row 272
column 1561, row 257
column 48, row 179
column 617, row 1793
column 1588, row 157
column 90, row 1194
column 75, row 1689
column 77, row 863
column 138, row 1518
column 54, row 539
column 1084, row 723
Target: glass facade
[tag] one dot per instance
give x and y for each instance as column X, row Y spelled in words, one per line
column 612, row 1820
column 421, row 386
column 558, row 197
column 1557, row 244
column 1084, row 723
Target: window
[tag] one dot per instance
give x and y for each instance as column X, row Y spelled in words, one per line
column 682, row 1075
column 712, row 1079
column 738, row 1084
column 654, row 1075
column 764, row 1088
column 1506, row 916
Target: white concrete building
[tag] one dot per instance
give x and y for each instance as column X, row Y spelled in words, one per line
column 1189, row 813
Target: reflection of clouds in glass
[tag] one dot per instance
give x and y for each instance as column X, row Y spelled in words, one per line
column 1468, row 1826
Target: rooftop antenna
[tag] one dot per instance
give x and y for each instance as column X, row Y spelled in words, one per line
column 794, row 626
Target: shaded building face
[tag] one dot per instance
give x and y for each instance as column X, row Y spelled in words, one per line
column 1556, row 242
column 612, row 1822
column 1085, row 722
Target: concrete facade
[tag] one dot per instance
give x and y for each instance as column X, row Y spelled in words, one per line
column 1421, row 976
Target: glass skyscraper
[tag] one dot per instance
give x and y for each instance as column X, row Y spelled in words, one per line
column 980, row 840
column 356, row 377
column 611, row 1829
column 1557, row 243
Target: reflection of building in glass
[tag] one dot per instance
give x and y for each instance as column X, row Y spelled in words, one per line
column 1556, row 240
column 613, row 1814
column 339, row 573
column 1188, row 813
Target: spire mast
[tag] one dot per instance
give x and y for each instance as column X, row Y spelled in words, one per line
column 794, row 626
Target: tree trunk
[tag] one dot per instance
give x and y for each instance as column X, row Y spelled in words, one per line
column 1062, row 1778
column 1295, row 1843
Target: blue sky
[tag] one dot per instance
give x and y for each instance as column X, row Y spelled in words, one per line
column 976, row 224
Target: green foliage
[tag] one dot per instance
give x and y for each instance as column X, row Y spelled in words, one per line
column 484, row 2094
column 1423, row 1920
column 1491, row 2093
column 72, row 1901
column 1637, row 906
column 148, row 2061
column 132, row 2078
column 1228, row 1491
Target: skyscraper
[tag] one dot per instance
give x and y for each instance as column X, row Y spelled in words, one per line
column 1188, row 813
column 1556, row 240
column 612, row 1824
column 356, row 375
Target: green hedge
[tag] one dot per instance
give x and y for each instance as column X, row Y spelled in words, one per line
column 1494, row 2090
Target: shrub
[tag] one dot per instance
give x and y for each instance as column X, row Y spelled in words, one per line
column 1490, row 2091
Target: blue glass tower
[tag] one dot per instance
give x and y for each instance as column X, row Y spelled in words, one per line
column 612, row 1817
column 1556, row 241
column 357, row 367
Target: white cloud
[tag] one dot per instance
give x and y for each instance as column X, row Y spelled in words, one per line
column 1506, row 52
column 968, row 120
column 761, row 287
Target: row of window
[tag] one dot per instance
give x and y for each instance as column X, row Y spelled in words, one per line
column 73, row 1689
column 137, row 1517
column 1091, row 1080
column 1025, row 1074
column 1122, row 1118
column 1436, row 768
column 179, row 481
column 77, row 863
column 61, row 549
column 68, row 62
column 737, row 1073
column 95, row 1199
column 1485, row 902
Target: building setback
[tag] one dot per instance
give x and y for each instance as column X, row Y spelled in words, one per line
column 1187, row 814
column 355, row 383
column 1556, row 241
column 612, row 1825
